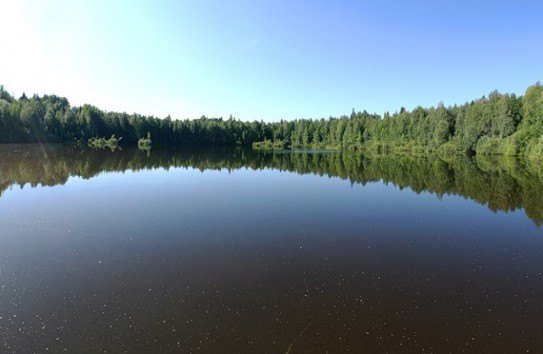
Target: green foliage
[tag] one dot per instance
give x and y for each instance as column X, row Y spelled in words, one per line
column 453, row 147
column 534, row 150
column 532, row 107
column 4, row 95
column 269, row 145
column 145, row 142
column 102, row 143
column 490, row 146
column 499, row 124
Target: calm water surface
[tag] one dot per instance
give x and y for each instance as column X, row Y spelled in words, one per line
column 233, row 251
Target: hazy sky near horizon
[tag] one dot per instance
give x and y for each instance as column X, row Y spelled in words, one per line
column 266, row 59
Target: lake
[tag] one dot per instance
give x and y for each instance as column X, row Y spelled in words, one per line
column 234, row 251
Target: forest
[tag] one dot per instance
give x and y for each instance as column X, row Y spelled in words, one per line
column 500, row 124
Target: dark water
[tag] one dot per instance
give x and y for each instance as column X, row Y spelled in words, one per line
column 232, row 251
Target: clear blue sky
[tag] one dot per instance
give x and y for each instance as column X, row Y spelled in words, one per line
column 269, row 60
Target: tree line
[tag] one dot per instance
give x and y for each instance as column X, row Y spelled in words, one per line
column 502, row 124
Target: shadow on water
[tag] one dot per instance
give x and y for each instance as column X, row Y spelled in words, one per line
column 500, row 183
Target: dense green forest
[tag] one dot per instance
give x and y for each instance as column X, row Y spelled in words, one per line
column 499, row 183
column 501, row 124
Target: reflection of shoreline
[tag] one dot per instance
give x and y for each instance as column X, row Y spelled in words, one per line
column 499, row 183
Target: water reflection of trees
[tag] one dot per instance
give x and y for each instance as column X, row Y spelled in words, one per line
column 499, row 183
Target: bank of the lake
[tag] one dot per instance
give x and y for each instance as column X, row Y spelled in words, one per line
column 500, row 124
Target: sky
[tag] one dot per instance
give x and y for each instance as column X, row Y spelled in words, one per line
column 269, row 59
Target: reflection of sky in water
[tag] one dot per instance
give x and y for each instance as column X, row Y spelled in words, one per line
column 243, row 261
